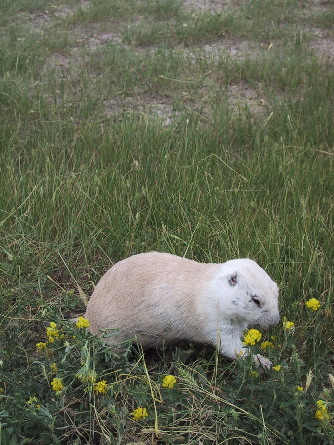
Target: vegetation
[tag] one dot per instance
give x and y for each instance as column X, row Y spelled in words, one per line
column 130, row 126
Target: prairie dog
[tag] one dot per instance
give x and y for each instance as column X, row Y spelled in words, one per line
column 159, row 298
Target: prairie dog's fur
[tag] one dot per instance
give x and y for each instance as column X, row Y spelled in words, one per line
column 159, row 298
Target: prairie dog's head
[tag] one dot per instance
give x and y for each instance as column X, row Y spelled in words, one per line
column 249, row 293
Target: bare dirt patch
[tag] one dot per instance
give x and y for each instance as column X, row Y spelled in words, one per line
column 322, row 44
column 40, row 20
column 43, row 19
column 90, row 39
column 229, row 47
column 161, row 107
column 102, row 38
column 207, row 5
column 242, row 95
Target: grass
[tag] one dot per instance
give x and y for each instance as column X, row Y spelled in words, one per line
column 162, row 139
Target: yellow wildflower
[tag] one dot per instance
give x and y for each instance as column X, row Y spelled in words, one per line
column 321, row 413
column 139, row 413
column 277, row 368
column 321, row 404
column 267, row 345
column 313, row 304
column 33, row 402
column 54, row 367
column 100, row 387
column 252, row 336
column 57, row 385
column 299, row 388
column 40, row 345
column 52, row 332
column 82, row 322
column 254, row 374
column 288, row 325
column 168, row 381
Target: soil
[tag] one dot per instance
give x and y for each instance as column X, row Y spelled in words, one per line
column 239, row 95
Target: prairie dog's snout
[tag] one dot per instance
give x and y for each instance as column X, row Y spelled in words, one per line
column 159, row 298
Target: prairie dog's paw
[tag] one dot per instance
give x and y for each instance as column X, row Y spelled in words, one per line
column 262, row 363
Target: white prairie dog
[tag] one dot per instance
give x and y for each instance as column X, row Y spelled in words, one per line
column 159, row 298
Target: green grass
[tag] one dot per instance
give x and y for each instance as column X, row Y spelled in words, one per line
column 92, row 173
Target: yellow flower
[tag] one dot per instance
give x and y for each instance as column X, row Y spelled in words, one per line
column 100, row 387
column 288, row 325
column 321, row 413
column 299, row 388
column 57, row 384
column 168, row 381
column 254, row 374
column 321, row 404
column 32, row 402
column 54, row 367
column 40, row 345
column 139, row 413
column 52, row 332
column 277, row 368
column 313, row 304
column 267, row 345
column 82, row 322
column 252, row 336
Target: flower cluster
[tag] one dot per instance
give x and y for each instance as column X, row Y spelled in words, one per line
column 57, row 385
column 82, row 322
column 41, row 345
column 139, row 413
column 52, row 332
column 267, row 345
column 100, row 387
column 54, row 367
column 32, row 402
column 168, row 381
column 277, row 368
column 288, row 325
column 313, row 304
column 322, row 412
column 253, row 336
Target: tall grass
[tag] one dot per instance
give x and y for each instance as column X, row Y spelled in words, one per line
column 82, row 188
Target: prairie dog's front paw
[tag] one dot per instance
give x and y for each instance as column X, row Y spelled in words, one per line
column 262, row 362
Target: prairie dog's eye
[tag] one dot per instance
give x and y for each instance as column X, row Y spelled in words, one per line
column 256, row 300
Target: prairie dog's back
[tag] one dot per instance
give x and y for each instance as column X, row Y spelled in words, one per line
column 150, row 293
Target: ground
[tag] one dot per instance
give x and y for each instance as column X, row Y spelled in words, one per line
column 93, row 36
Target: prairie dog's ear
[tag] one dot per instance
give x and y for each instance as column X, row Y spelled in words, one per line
column 233, row 279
